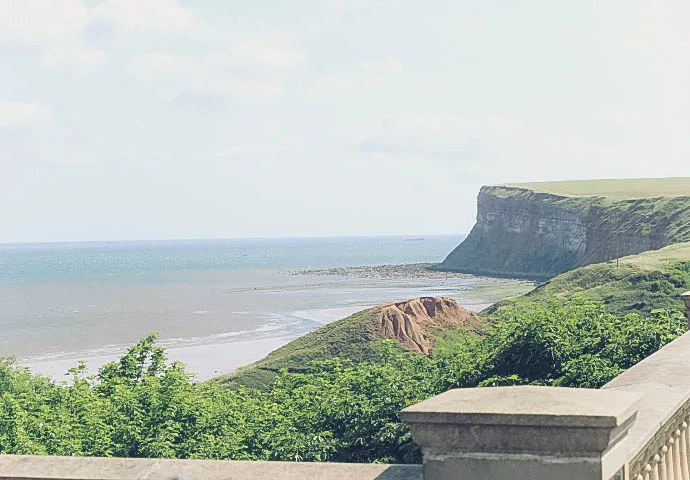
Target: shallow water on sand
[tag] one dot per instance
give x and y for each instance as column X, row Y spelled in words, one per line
column 217, row 304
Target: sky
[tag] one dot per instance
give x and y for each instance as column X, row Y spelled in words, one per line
column 162, row 119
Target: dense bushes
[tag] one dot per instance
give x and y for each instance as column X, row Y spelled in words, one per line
column 143, row 406
column 577, row 344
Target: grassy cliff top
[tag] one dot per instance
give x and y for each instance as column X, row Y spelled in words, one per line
column 629, row 188
column 653, row 279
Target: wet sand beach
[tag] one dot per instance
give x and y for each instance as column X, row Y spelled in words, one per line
column 216, row 304
column 316, row 297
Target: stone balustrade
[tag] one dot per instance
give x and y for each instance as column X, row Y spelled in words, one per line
column 25, row 467
column 660, row 438
column 524, row 432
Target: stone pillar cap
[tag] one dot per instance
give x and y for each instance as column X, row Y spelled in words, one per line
column 685, row 294
column 527, row 406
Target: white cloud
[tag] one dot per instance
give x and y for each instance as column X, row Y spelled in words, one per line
column 255, row 57
column 152, row 66
column 44, row 21
column 40, row 20
column 20, row 113
column 160, row 16
column 333, row 83
column 410, row 122
column 373, row 73
column 255, row 150
column 272, row 127
column 261, row 54
column 434, row 134
column 248, row 70
column 76, row 57
column 59, row 27
column 229, row 86
column 378, row 72
column 470, row 24
column 203, row 75
column 345, row 6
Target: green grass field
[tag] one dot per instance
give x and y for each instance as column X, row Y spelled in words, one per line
column 643, row 282
column 630, row 188
column 349, row 337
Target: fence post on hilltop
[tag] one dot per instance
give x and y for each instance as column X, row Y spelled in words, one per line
column 524, row 432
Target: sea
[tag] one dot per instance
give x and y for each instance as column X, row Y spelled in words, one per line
column 216, row 304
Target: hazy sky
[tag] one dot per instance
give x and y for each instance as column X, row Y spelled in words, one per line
column 144, row 119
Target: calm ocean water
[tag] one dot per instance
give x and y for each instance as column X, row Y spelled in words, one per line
column 60, row 302
column 159, row 261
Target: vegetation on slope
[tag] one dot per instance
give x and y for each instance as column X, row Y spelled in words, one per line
column 347, row 338
column 415, row 324
column 143, row 406
column 642, row 283
column 627, row 188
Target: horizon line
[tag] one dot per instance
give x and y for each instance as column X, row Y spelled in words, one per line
column 290, row 237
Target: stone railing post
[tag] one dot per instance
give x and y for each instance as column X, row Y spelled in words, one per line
column 686, row 299
column 524, row 432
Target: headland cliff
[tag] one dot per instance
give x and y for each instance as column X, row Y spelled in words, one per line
column 538, row 231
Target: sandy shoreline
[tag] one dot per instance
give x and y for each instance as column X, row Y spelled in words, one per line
column 206, row 358
column 207, row 361
column 223, row 353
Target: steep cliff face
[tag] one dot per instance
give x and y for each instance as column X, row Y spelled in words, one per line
column 525, row 233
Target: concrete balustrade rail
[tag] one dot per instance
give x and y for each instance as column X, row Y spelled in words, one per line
column 524, row 432
column 659, row 439
column 20, row 467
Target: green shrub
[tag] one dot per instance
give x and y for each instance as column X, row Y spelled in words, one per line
column 337, row 410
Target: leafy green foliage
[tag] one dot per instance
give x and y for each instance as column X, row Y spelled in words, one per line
column 336, row 410
column 573, row 344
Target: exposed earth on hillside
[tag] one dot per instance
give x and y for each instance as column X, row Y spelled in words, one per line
column 413, row 322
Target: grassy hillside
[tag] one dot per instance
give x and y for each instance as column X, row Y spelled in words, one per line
column 630, row 188
column 417, row 325
column 643, row 282
column 350, row 337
